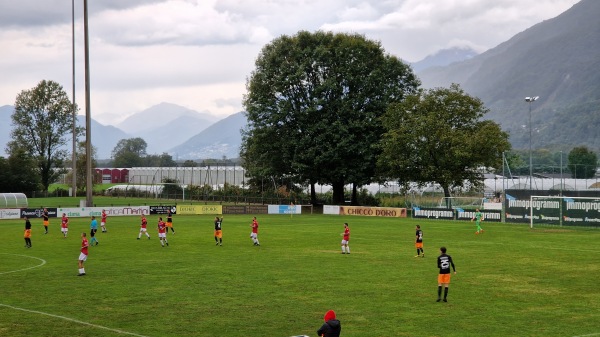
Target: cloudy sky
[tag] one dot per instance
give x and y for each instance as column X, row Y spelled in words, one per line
column 198, row 53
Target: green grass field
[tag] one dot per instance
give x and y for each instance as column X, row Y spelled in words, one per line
column 511, row 281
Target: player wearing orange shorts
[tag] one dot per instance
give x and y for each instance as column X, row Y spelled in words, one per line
column 444, row 262
column 46, row 220
column 170, row 222
column 419, row 242
column 218, row 232
column 27, row 234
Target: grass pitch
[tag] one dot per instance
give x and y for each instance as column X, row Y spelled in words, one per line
column 511, row 281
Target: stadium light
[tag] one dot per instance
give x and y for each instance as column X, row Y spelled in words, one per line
column 530, row 100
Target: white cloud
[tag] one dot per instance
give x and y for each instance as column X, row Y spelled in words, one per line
column 198, row 53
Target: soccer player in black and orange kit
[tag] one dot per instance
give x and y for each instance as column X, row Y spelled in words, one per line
column 419, row 241
column 444, row 262
column 218, row 232
column 169, row 223
column 27, row 234
column 46, row 220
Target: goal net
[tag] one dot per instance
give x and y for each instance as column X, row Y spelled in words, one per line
column 564, row 211
column 466, row 203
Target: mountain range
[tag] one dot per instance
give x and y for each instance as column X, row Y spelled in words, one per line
column 166, row 127
column 557, row 60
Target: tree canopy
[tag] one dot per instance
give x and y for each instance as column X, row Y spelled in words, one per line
column 81, row 166
column 42, row 119
column 437, row 136
column 18, row 173
column 582, row 162
column 129, row 152
column 313, row 105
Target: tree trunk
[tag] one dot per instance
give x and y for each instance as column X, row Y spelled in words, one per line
column 338, row 192
column 447, row 199
column 313, row 194
column 354, row 201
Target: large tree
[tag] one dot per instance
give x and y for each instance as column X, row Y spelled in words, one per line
column 582, row 162
column 42, row 120
column 313, row 105
column 129, row 152
column 438, row 136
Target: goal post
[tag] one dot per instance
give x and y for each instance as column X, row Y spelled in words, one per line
column 564, row 211
column 467, row 203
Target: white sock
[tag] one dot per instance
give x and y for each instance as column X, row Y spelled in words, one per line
column 343, row 249
column 348, row 249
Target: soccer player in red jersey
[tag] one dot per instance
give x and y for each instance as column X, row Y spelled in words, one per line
column 83, row 255
column 346, row 239
column 103, row 221
column 254, row 234
column 144, row 228
column 419, row 242
column 64, row 225
column 162, row 232
column 444, row 262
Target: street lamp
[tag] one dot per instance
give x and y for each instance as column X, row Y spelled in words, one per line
column 530, row 100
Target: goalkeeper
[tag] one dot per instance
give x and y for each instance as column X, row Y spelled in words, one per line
column 478, row 217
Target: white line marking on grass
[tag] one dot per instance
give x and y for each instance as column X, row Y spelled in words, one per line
column 31, row 257
column 57, row 316
column 73, row 320
column 590, row 335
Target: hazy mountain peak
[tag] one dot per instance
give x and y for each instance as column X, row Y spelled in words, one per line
column 159, row 115
column 444, row 57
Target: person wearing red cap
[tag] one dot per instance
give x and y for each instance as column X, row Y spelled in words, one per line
column 332, row 327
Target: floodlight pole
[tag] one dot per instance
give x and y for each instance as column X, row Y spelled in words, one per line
column 88, row 118
column 530, row 100
column 74, row 156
